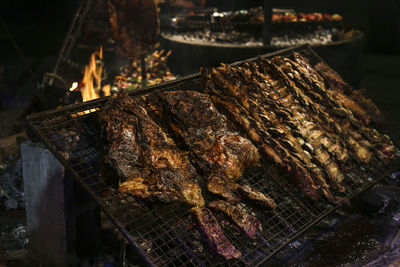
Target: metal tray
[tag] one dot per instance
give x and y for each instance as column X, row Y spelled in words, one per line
column 164, row 234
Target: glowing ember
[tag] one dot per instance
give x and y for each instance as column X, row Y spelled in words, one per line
column 90, row 87
column 157, row 71
column 73, row 86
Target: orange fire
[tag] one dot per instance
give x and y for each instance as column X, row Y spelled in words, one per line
column 90, row 87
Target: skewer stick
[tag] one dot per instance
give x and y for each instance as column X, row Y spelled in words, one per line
column 143, row 65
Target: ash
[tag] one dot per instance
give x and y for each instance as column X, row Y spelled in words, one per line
column 319, row 37
column 14, row 235
column 207, row 37
column 11, row 185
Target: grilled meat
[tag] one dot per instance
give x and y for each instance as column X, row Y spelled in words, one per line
column 348, row 103
column 147, row 161
column 213, row 233
column 248, row 223
column 221, row 153
column 253, row 94
column 307, row 129
column 258, row 102
column 273, row 150
column 150, row 165
column 226, row 189
column 255, row 195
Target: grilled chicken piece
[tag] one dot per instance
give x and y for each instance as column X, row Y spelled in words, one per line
column 147, row 161
column 218, row 151
column 213, row 233
column 248, row 223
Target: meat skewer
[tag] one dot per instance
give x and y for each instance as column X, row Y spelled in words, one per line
column 270, row 148
column 361, row 153
column 274, row 125
column 375, row 141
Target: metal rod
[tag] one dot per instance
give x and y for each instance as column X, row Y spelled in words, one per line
column 70, row 37
column 267, row 26
column 122, row 253
column 143, row 66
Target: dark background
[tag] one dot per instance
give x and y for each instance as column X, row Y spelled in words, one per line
column 39, row 25
column 32, row 32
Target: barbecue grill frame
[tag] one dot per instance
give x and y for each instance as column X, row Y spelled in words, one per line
column 35, row 131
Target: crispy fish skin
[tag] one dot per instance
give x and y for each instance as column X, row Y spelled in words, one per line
column 212, row 231
column 248, row 223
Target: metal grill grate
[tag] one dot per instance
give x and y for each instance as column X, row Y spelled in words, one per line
column 165, row 234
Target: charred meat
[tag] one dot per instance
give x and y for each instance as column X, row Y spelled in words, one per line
column 218, row 150
column 248, row 223
column 213, row 233
column 150, row 165
column 307, row 129
column 147, row 161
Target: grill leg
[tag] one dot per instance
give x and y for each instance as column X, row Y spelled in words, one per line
column 122, row 254
column 63, row 219
column 43, row 177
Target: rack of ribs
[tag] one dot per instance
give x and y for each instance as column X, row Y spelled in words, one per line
column 309, row 131
column 243, row 110
column 150, row 165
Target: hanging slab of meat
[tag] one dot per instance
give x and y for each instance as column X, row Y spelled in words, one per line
column 134, row 25
column 218, row 151
column 248, row 223
column 148, row 162
column 150, row 165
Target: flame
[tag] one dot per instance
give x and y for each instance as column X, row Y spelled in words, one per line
column 91, row 83
column 107, row 90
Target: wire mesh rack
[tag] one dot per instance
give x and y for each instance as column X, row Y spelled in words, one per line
column 165, row 234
